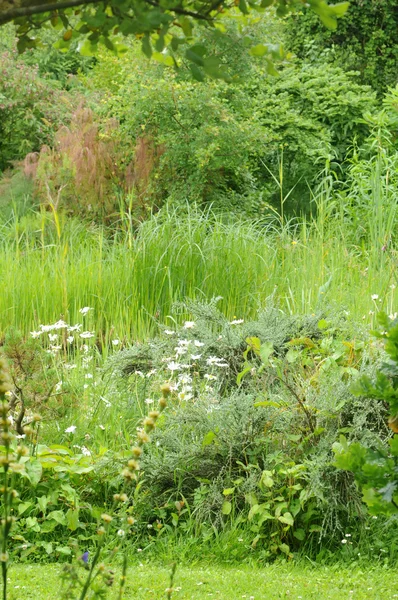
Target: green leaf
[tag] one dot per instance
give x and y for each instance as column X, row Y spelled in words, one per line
column 259, row 50
column 34, row 471
column 146, row 46
column 108, row 43
column 322, row 324
column 72, row 519
column 63, row 550
column 265, row 352
column 340, row 9
column 58, row 516
column 23, row 506
column 196, row 72
column 208, row 438
column 241, row 375
column 42, row 503
column 228, row 491
column 286, row 518
column 284, row 548
column 226, row 508
column 243, row 7
column 31, row 523
column 48, row 547
column 299, row 534
column 186, row 26
column 292, row 355
column 266, row 479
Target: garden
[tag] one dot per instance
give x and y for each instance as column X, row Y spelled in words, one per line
column 199, row 303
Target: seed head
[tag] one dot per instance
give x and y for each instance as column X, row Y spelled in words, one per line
column 133, row 464
column 165, row 389
column 106, row 518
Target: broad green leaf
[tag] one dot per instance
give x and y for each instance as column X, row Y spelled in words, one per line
column 63, row 550
column 208, row 438
column 292, row 355
column 259, row 50
column 48, row 547
column 340, row 9
column 228, row 491
column 266, row 479
column 265, row 351
column 243, row 7
column 299, row 534
column 226, row 508
column 34, row 471
column 286, row 518
column 42, row 503
column 146, row 46
column 72, row 519
column 58, row 516
column 31, row 523
column 23, row 506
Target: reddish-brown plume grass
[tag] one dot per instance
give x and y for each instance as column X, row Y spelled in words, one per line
column 83, row 172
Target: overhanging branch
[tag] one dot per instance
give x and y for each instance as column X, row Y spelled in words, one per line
column 27, row 11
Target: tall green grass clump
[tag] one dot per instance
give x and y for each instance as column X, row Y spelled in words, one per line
column 53, row 266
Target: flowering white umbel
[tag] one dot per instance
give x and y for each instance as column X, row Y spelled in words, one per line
column 86, row 335
column 71, row 429
column 189, row 324
column 375, row 296
column 236, row 322
column 36, row 334
column 85, row 310
column 115, row 342
column 173, row 366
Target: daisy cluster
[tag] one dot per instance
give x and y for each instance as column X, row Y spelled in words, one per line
column 189, row 369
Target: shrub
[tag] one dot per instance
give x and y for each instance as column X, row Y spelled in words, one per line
column 31, row 109
column 238, row 147
column 364, row 41
column 257, row 407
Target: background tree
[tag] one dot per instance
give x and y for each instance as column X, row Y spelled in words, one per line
column 160, row 23
column 365, row 41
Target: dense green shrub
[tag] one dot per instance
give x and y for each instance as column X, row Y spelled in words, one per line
column 238, row 147
column 364, row 41
column 31, row 109
column 257, row 407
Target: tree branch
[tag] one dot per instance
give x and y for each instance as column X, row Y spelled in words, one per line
column 27, row 11
column 13, row 12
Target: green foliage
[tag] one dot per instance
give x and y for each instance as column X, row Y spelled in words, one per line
column 31, row 109
column 160, row 27
column 365, row 41
column 253, row 454
column 238, row 148
column 375, row 468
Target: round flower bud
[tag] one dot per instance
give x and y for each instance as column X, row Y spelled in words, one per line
column 106, row 518
column 165, row 389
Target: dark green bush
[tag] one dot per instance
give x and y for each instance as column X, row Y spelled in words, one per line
column 364, row 41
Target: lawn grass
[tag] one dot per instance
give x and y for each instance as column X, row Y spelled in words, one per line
column 338, row 582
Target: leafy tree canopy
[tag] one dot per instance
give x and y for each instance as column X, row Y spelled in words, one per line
column 162, row 25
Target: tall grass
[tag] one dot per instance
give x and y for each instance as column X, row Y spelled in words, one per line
column 50, row 270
